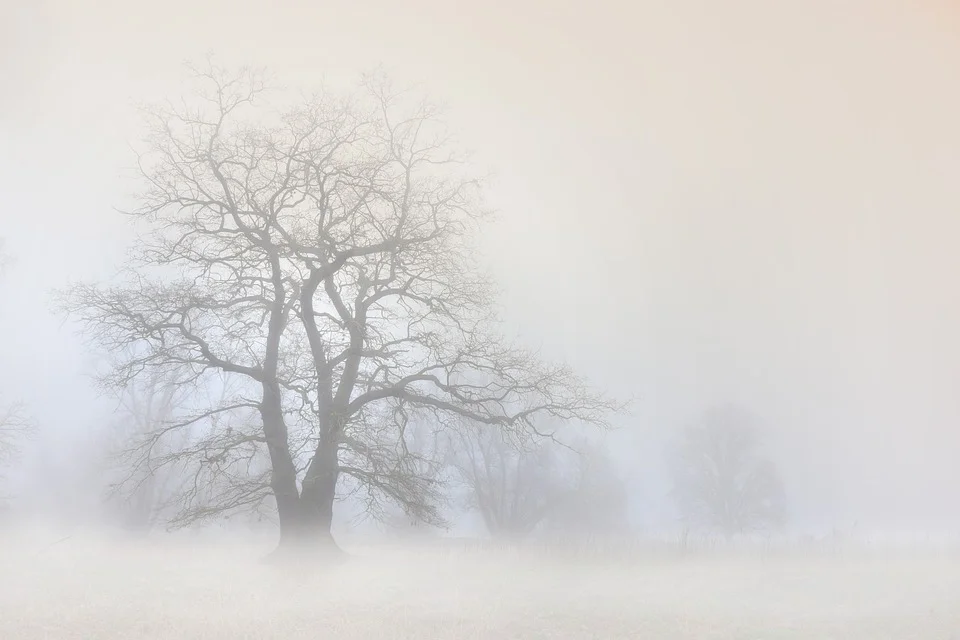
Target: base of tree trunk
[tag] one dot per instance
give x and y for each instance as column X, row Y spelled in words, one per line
column 305, row 554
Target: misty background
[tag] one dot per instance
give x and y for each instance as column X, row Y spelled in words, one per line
column 752, row 203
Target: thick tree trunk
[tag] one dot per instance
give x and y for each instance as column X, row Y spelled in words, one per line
column 307, row 535
column 283, row 478
column 309, row 538
column 320, row 487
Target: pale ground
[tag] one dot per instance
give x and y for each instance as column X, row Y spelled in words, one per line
column 92, row 589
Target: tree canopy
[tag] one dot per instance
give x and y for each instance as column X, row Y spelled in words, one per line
column 321, row 257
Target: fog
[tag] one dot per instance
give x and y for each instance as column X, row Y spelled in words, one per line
column 699, row 204
column 203, row 592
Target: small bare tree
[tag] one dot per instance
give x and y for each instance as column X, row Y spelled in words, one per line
column 722, row 482
column 321, row 257
column 513, row 481
column 15, row 425
column 143, row 489
column 597, row 503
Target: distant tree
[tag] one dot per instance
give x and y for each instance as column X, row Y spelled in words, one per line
column 145, row 453
column 597, row 502
column 513, row 482
column 321, row 256
column 166, row 461
column 15, row 425
column 721, row 480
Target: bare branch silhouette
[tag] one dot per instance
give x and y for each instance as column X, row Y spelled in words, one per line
column 320, row 256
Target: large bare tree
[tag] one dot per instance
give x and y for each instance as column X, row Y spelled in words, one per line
column 320, row 255
column 722, row 480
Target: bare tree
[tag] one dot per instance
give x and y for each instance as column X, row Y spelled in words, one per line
column 512, row 480
column 597, row 502
column 423, row 459
column 321, row 257
column 144, row 459
column 15, row 425
column 722, row 482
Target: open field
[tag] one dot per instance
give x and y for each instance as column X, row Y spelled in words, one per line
column 100, row 589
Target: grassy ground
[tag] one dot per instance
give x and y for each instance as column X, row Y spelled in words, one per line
column 102, row 589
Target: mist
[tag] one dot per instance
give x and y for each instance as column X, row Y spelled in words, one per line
column 732, row 225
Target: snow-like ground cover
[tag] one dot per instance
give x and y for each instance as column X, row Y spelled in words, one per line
column 91, row 589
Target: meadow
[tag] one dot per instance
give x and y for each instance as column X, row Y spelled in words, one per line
column 97, row 587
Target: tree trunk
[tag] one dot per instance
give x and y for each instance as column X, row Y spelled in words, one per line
column 306, row 515
column 283, row 478
column 320, row 487
column 310, row 539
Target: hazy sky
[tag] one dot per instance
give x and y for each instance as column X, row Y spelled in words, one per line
column 744, row 201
